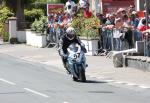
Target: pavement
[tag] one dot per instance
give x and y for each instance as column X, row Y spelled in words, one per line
column 99, row 67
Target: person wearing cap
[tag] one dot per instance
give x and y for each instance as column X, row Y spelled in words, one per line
column 68, row 38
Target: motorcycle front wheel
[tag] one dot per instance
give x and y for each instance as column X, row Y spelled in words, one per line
column 82, row 74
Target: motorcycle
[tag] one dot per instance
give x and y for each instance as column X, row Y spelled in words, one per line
column 76, row 62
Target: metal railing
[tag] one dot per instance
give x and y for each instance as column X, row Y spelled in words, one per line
column 147, row 44
column 53, row 36
column 23, row 25
column 126, row 40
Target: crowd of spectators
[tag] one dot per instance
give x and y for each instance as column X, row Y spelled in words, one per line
column 120, row 30
column 60, row 21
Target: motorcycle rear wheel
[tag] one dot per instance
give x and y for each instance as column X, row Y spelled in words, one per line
column 74, row 78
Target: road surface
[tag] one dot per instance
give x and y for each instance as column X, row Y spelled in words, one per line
column 29, row 82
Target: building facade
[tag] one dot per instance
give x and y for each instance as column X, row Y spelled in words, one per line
column 106, row 6
column 140, row 4
column 114, row 5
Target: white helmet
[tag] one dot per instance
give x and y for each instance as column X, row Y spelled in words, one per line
column 70, row 33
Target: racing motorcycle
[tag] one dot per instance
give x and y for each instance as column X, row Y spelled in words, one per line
column 76, row 62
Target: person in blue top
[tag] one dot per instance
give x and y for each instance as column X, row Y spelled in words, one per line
column 51, row 22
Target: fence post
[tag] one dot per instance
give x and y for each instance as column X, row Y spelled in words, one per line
column 112, row 39
column 145, row 48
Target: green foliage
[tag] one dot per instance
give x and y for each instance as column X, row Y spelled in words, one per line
column 77, row 24
column 49, row 1
column 5, row 12
column 54, row 1
column 39, row 25
column 5, row 36
column 31, row 15
column 1, row 29
column 87, row 27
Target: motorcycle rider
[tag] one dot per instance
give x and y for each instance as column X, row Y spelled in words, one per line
column 68, row 38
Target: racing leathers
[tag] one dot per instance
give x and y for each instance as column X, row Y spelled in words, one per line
column 64, row 44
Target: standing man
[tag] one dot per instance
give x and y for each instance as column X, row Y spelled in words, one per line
column 51, row 22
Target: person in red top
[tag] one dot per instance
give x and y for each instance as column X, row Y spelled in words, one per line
column 87, row 13
column 143, row 27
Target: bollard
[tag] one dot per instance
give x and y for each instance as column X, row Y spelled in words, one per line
column 118, row 60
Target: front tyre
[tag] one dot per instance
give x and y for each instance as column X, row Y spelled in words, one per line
column 82, row 74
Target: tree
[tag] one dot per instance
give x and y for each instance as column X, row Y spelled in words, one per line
column 18, row 8
column 48, row 1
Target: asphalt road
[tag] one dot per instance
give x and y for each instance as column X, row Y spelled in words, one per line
column 29, row 82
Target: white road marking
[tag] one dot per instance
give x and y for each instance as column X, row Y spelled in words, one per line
column 5, row 51
column 65, row 102
column 6, row 81
column 92, row 76
column 131, row 84
column 109, row 80
column 35, row 92
column 119, row 82
column 101, row 77
column 144, row 87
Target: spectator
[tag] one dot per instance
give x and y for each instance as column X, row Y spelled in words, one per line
column 69, row 6
column 102, row 18
column 87, row 13
column 135, row 20
column 143, row 27
column 127, row 29
column 110, row 20
column 121, row 12
column 134, row 23
column 67, row 19
column 51, row 22
column 83, row 3
column 117, row 34
column 131, row 8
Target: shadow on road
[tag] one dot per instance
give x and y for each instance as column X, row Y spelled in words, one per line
column 94, row 81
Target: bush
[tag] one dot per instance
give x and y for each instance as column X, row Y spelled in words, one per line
column 39, row 25
column 31, row 15
column 1, row 29
column 91, row 26
column 5, row 36
column 6, row 13
column 87, row 27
